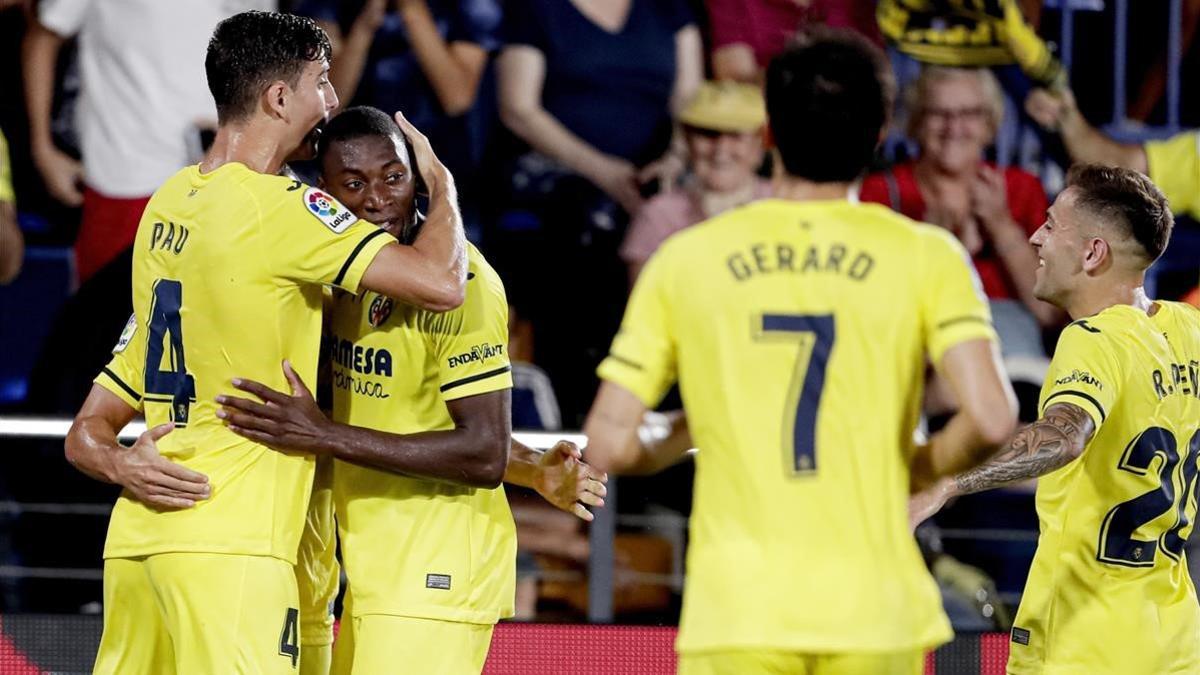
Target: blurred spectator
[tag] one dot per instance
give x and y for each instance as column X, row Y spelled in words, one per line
column 723, row 132
column 969, row 33
column 12, row 246
column 746, row 34
column 954, row 115
column 424, row 57
column 1173, row 164
column 589, row 88
column 143, row 97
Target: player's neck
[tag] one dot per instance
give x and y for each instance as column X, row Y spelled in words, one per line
column 1104, row 295
column 795, row 189
column 247, row 144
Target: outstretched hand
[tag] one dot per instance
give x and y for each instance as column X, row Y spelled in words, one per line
column 569, row 483
column 155, row 480
column 284, row 422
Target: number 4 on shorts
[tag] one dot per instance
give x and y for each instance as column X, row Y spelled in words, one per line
column 289, row 638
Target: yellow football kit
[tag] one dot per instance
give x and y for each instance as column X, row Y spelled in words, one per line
column 413, row 548
column 799, row 332
column 6, row 188
column 1108, row 591
column 318, row 574
column 1175, row 168
column 228, row 269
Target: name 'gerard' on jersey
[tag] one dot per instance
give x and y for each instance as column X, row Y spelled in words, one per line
column 763, row 258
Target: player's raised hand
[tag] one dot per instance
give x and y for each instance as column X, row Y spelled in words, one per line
column 923, row 505
column 568, row 482
column 155, row 480
column 281, row 421
column 429, row 167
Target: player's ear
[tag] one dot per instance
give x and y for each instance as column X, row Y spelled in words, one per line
column 276, row 98
column 1096, row 254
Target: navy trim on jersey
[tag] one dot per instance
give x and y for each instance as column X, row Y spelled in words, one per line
column 121, row 383
column 475, row 378
column 1078, row 393
column 337, row 281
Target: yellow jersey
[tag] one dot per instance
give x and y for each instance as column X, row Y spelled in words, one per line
column 1174, row 166
column 228, row 268
column 415, row 547
column 968, row 33
column 799, row 333
column 1108, row 591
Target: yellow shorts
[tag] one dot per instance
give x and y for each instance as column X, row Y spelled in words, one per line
column 375, row 643
column 199, row 613
column 751, row 662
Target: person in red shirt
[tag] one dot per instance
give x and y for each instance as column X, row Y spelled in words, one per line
column 954, row 115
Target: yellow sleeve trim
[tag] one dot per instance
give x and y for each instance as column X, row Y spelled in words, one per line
column 110, row 381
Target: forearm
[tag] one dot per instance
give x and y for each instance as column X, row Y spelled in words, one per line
column 454, row 84
column 455, row 456
column 90, row 446
column 957, row 447
column 345, row 73
column 548, row 136
column 522, row 468
column 1036, row 450
column 441, row 242
column 12, row 245
column 1087, row 145
column 38, row 59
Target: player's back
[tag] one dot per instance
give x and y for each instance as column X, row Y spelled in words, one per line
column 1109, row 591
column 227, row 270
column 802, row 330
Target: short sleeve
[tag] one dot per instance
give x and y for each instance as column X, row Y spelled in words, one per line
column 471, row 342
column 6, row 187
column 313, row 238
column 643, row 357
column 1175, row 169
column 478, row 22
column 1083, row 372
column 63, row 17
column 125, row 373
column 953, row 307
column 522, row 25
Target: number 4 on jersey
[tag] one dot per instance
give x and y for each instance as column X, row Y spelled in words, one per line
column 800, row 418
column 174, row 385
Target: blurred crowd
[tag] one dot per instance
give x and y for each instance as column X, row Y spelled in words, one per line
column 581, row 133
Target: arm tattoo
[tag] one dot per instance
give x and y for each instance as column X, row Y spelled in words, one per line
column 1036, row 450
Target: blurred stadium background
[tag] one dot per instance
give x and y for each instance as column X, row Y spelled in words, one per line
column 598, row 599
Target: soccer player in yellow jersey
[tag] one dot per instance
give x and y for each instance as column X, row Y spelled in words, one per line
column 228, row 269
column 1116, row 446
column 798, row 329
column 427, row 537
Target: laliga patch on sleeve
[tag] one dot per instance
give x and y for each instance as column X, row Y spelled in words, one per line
column 126, row 334
column 328, row 210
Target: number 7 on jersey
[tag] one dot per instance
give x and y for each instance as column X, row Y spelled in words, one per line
column 815, row 333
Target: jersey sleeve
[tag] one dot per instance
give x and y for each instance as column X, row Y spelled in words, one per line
column 125, row 373
column 953, row 307
column 1175, row 169
column 1083, row 372
column 643, row 354
column 471, row 342
column 314, row 238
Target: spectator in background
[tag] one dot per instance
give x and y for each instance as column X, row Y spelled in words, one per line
column 12, row 246
column 589, row 89
column 747, row 33
column 425, row 57
column 723, row 131
column 143, row 97
column 954, row 115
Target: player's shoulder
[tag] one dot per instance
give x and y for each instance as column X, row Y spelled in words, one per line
column 484, row 287
column 287, row 197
